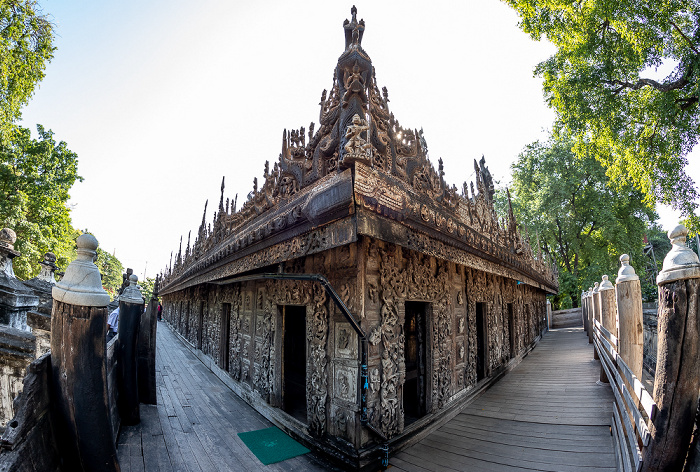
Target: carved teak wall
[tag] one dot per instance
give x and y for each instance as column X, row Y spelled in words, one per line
column 361, row 203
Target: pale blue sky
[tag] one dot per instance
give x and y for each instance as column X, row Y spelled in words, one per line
column 160, row 99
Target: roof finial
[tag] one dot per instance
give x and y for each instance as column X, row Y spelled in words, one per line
column 353, row 30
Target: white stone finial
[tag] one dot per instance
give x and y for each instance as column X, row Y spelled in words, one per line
column 605, row 284
column 596, row 288
column 132, row 294
column 7, row 238
column 48, row 267
column 82, row 284
column 626, row 272
column 680, row 262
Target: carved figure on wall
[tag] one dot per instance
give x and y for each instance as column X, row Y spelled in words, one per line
column 357, row 148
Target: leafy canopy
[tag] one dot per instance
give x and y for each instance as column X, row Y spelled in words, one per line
column 35, row 177
column 26, row 38
column 601, row 84
column 582, row 221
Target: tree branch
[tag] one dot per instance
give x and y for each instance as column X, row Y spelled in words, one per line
column 690, row 44
column 675, row 85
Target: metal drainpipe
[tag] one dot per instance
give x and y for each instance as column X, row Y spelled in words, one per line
column 364, row 346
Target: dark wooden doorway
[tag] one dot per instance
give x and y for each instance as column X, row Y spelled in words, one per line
column 294, row 361
column 415, row 350
column 511, row 330
column 481, row 341
column 225, row 336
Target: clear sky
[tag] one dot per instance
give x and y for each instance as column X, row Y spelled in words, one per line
column 161, row 98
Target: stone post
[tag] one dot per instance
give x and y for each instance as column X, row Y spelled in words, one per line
column 606, row 294
column 16, row 299
column 595, row 313
column 628, row 291
column 130, row 310
column 39, row 320
column 678, row 357
column 79, row 374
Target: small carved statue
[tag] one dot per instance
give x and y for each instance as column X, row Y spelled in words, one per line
column 357, row 148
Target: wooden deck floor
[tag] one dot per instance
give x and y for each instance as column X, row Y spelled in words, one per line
column 195, row 424
column 547, row 414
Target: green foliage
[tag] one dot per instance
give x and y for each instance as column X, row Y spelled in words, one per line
column 581, row 221
column 26, row 47
column 35, row 177
column 147, row 288
column 111, row 269
column 600, row 84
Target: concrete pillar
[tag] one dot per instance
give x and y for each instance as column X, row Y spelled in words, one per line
column 606, row 294
column 79, row 374
column 130, row 311
column 628, row 294
column 678, row 357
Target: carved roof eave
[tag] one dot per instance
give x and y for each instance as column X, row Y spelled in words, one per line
column 439, row 230
column 328, row 200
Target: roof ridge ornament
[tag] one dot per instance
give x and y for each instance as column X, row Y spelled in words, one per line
column 353, row 30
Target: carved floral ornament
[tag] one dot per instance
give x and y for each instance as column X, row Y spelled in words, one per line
column 355, row 125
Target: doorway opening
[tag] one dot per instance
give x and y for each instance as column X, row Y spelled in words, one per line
column 415, row 349
column 480, row 341
column 225, row 336
column 294, row 361
column 511, row 330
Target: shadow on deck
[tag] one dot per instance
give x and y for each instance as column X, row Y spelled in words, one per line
column 196, row 423
column 547, row 414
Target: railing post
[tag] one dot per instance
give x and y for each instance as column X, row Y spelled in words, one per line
column 595, row 314
column 147, row 352
column 628, row 292
column 79, row 373
column 678, row 357
column 583, row 312
column 606, row 295
column 589, row 314
column 130, row 310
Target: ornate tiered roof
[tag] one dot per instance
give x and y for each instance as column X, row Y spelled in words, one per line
column 392, row 177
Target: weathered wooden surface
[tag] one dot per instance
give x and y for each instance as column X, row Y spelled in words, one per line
column 547, row 414
column 196, row 423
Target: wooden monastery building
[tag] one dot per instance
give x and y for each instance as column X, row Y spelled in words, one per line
column 356, row 298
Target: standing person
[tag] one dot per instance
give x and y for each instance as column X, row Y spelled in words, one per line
column 112, row 324
column 160, row 312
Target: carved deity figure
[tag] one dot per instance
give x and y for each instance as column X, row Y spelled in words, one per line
column 357, row 148
column 354, row 84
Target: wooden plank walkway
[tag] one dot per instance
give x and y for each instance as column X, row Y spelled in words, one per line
column 195, row 424
column 547, row 414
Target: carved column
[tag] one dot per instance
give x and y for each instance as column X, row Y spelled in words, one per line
column 628, row 292
column 79, row 374
column 130, row 310
column 678, row 357
column 606, row 294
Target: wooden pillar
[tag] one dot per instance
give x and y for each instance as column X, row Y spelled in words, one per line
column 595, row 314
column 628, row 294
column 678, row 357
column 606, row 295
column 130, row 311
column 549, row 315
column 589, row 313
column 583, row 312
column 146, row 351
column 79, row 374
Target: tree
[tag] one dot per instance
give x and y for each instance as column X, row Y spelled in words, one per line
column 111, row 269
column 583, row 222
column 147, row 286
column 35, row 177
column 601, row 84
column 26, row 38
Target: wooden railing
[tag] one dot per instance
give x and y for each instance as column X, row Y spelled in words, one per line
column 633, row 408
column 651, row 432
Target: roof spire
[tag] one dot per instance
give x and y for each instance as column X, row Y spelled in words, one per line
column 353, row 30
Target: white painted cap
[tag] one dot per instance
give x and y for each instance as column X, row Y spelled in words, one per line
column 82, row 285
column 680, row 262
column 626, row 272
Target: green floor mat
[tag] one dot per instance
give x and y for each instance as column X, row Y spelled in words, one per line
column 272, row 445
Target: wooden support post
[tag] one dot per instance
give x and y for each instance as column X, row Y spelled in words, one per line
column 589, row 313
column 628, row 294
column 606, row 295
column 130, row 311
column 583, row 312
column 678, row 357
column 595, row 315
column 146, row 349
column 79, row 374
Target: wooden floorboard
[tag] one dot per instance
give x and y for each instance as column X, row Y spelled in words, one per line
column 547, row 414
column 195, row 425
